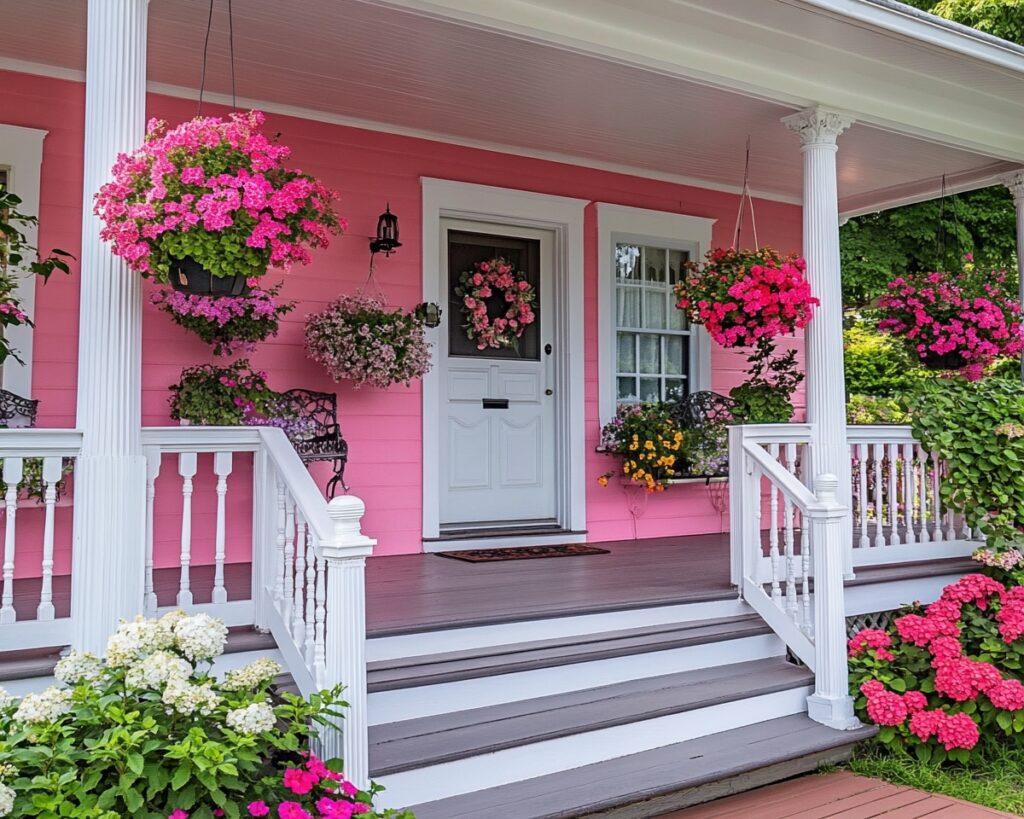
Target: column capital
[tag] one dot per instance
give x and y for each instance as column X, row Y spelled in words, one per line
column 817, row 125
column 1015, row 182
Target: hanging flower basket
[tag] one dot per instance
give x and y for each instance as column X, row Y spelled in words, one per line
column 954, row 321
column 742, row 297
column 360, row 339
column 209, row 205
column 229, row 324
column 497, row 304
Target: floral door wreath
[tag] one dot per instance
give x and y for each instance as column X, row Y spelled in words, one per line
column 496, row 277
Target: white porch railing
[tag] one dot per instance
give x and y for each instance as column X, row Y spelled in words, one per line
column 255, row 541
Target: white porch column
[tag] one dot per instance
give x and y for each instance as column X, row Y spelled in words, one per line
column 109, row 512
column 346, row 555
column 818, row 129
column 1015, row 182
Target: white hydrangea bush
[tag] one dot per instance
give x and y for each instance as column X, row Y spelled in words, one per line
column 151, row 693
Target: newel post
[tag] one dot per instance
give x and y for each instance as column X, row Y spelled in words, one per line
column 831, row 703
column 345, row 663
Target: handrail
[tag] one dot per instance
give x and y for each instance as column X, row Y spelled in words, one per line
column 880, row 433
column 202, row 439
column 800, row 495
column 300, row 483
column 37, row 443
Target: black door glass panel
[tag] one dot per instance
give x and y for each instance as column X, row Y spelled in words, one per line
column 465, row 249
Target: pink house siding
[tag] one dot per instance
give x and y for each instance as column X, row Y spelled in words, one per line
column 383, row 428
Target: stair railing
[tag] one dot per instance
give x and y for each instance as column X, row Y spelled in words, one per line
column 802, row 597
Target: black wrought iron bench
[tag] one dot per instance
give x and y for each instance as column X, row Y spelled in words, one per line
column 707, row 414
column 16, row 411
column 321, row 440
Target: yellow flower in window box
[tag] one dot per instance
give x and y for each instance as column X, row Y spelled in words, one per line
column 649, row 431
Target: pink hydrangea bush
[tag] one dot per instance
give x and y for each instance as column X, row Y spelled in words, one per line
column 216, row 191
column 360, row 339
column 229, row 324
column 960, row 320
column 742, row 297
column 945, row 677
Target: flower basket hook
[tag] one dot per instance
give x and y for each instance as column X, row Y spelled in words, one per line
column 745, row 195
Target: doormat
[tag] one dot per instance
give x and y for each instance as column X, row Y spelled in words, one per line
column 523, row 553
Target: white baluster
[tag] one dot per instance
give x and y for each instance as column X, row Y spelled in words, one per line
column 790, row 540
column 922, row 499
column 12, row 477
column 298, row 607
column 187, row 470
column 289, row 558
column 894, row 535
column 806, row 616
column 309, row 639
column 152, row 473
column 320, row 639
column 279, row 544
column 909, row 494
column 773, row 531
column 862, row 493
column 222, row 465
column 53, row 469
column 879, row 450
column 937, row 468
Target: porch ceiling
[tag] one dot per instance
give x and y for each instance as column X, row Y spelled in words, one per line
column 426, row 68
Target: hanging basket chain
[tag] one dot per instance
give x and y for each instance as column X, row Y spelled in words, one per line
column 745, row 195
column 206, row 52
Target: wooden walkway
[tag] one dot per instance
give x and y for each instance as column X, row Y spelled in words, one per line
column 842, row 795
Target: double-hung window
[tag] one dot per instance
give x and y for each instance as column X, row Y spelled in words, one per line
column 648, row 351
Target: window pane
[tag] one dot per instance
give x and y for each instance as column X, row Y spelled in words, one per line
column 676, row 349
column 676, row 259
column 650, row 354
column 650, row 389
column 675, row 389
column 627, row 301
column 625, row 356
column 654, row 264
column 654, row 309
column 626, row 389
column 627, row 259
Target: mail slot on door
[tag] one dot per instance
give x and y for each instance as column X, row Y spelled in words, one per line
column 495, row 403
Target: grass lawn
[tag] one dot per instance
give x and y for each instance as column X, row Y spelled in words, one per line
column 996, row 781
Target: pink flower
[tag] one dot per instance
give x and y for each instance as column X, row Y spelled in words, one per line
column 293, row 810
column 178, row 814
column 258, row 809
column 915, row 701
column 299, row 781
column 958, row 731
column 925, row 724
column 868, row 638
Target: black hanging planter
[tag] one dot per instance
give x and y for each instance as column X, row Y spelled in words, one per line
column 188, row 276
column 944, row 361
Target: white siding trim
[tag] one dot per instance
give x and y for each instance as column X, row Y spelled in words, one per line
column 444, row 198
column 673, row 230
column 21, row 150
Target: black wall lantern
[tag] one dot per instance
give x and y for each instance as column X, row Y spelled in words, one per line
column 387, row 234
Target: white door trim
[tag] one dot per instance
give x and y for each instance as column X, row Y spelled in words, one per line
column 21, row 152
column 564, row 217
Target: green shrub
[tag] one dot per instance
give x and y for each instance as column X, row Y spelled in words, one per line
column 870, row 409
column 765, row 397
column 977, row 427
column 876, row 364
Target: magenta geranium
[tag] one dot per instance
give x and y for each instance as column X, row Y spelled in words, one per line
column 497, row 303
column 744, row 297
column 960, row 321
column 217, row 192
column 229, row 324
column 923, row 679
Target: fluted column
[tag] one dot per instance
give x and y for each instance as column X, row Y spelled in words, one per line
column 109, row 512
column 1015, row 182
column 818, row 129
column 345, row 662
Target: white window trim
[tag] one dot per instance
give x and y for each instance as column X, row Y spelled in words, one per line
column 21, row 152
column 617, row 223
column 563, row 216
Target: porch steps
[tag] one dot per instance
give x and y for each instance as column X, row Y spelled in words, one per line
column 669, row 778
column 402, row 746
column 452, row 666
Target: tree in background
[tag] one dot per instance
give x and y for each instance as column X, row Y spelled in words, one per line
column 877, row 247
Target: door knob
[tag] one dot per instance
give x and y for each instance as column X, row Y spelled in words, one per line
column 547, row 349
column 549, row 391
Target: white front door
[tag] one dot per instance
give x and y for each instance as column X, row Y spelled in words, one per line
column 497, row 448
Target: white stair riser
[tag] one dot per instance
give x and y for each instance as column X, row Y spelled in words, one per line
column 885, row 596
column 551, row 756
column 462, row 639
column 429, row 700
column 29, row 685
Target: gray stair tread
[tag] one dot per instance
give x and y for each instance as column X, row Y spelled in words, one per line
column 642, row 776
column 866, row 575
column 247, row 638
column 417, row 743
column 431, row 669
